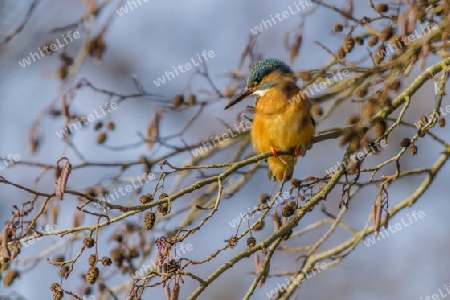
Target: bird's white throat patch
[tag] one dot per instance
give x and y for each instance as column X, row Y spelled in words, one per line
column 259, row 93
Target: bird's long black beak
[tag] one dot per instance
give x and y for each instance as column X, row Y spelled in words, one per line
column 239, row 97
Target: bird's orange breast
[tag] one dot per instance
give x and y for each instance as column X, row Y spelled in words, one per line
column 281, row 124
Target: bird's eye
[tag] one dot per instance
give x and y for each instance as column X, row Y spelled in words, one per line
column 258, row 79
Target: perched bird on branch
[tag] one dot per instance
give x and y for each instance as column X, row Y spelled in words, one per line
column 282, row 120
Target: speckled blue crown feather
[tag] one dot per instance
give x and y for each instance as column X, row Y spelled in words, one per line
column 266, row 66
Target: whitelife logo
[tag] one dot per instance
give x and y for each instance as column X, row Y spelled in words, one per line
column 443, row 112
column 439, row 296
column 72, row 126
column 12, row 160
column 180, row 249
column 407, row 39
column 280, row 17
column 188, row 66
column 398, row 226
column 355, row 157
column 242, row 127
column 109, row 198
column 124, row 9
column 53, row 48
column 291, row 281
column 319, row 86
column 244, row 217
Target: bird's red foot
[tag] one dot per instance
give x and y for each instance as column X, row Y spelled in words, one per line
column 274, row 151
column 300, row 152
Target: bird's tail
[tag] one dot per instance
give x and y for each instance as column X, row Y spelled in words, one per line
column 281, row 165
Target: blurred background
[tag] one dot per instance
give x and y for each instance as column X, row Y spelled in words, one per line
column 146, row 42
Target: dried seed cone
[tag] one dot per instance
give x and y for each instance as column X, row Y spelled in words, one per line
column 117, row 256
column 92, row 275
column 353, row 168
column 163, row 209
column 382, row 8
column 147, row 198
column 57, row 292
column 287, row 211
column 251, row 241
column 58, row 295
column 380, row 128
column 63, row 271
column 276, row 221
column 63, row 71
column 178, row 100
column 441, row 122
column 355, row 143
column 369, row 108
column 232, row 242
column 101, row 138
column 91, row 192
column 386, row 33
column 259, row 225
column 338, row 27
column 117, row 237
column 263, row 198
column 317, row 110
column 149, row 220
column 341, row 53
column 98, row 125
column 192, row 100
column 134, row 253
column 54, row 287
column 106, row 261
column 353, row 119
column 296, row 182
column 413, row 150
column 163, row 195
column 373, row 40
column 405, row 143
column 349, row 43
column 97, row 47
column 92, row 260
column 359, row 41
column 421, row 133
column 423, row 120
column 394, row 85
column 88, row 242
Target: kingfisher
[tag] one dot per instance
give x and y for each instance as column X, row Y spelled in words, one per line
column 282, row 115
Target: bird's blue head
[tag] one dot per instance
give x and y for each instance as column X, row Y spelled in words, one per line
column 256, row 83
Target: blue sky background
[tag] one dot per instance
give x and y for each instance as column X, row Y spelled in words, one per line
column 148, row 41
